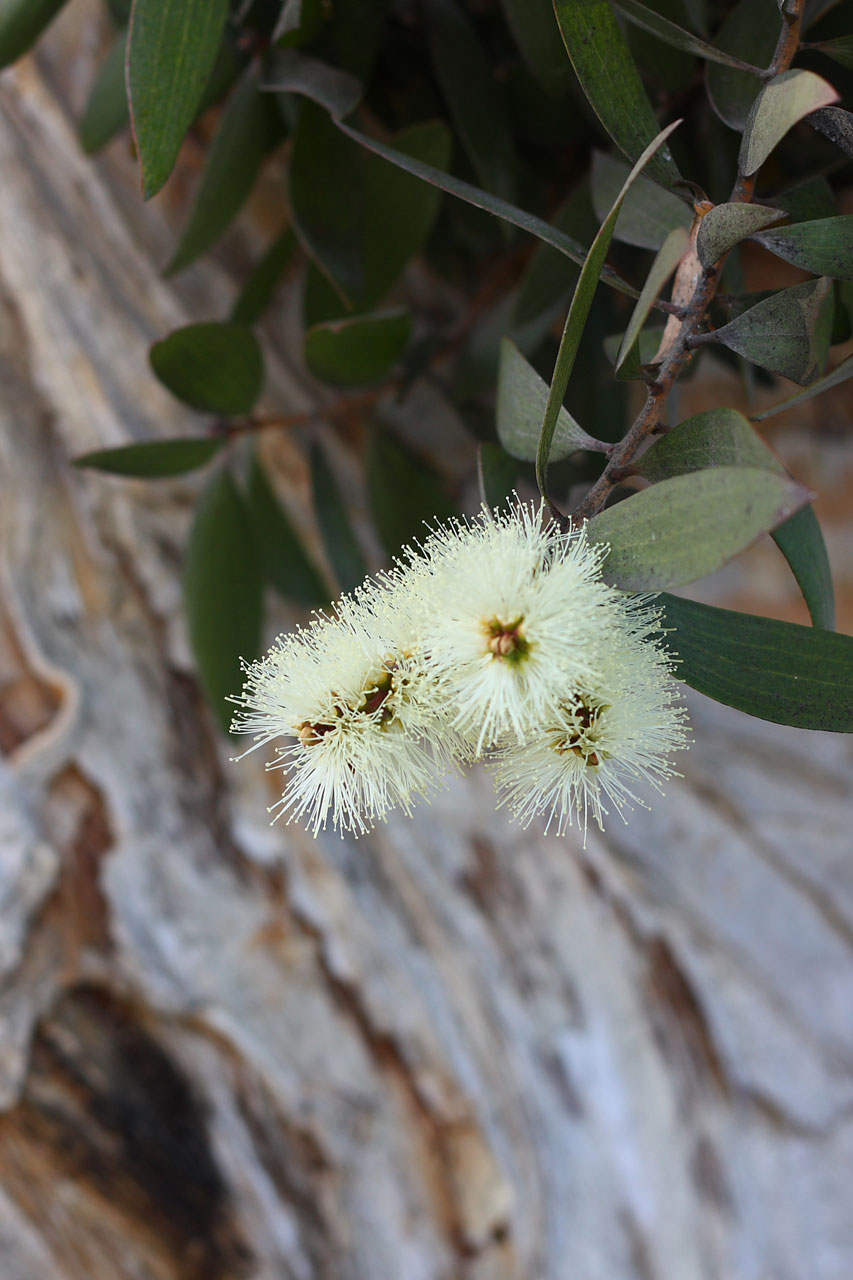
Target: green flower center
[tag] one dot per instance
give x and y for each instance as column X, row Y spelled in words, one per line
column 506, row 640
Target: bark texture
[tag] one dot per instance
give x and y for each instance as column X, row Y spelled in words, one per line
column 450, row 1051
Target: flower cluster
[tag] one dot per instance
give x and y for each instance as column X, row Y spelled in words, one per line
column 496, row 638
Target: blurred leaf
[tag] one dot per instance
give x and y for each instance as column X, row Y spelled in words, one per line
column 490, row 203
column 263, row 280
column 106, row 112
column 840, row 49
column 782, row 102
column 807, row 200
column 549, row 275
column 838, row 375
column 286, row 70
column 171, row 52
column 215, row 367
column 777, row 671
column 609, row 78
column 667, row 259
column 154, row 458
column 724, row 438
column 361, row 219
column 754, row 25
column 672, row 34
column 284, row 560
column 335, row 527
column 648, row 213
column 249, row 128
column 496, row 473
column 579, row 310
column 836, row 124
column 21, row 24
column 222, row 591
column 521, row 399
column 299, row 22
column 534, row 25
column 403, row 490
column 727, row 224
column 686, row 527
column 824, row 247
column 358, row 350
column 468, row 87
column 641, row 352
column 779, row 332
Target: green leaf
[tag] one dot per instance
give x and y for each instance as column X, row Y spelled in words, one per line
column 808, row 200
column 286, row 564
column 335, row 527
column 222, row 591
column 649, row 20
column 839, row 374
column 609, row 78
column 684, row 528
column 754, row 25
column 641, row 352
column 490, row 203
column 534, row 25
column 667, row 259
column 287, row 71
column 263, row 280
column 578, row 312
column 777, row 671
column 154, row 458
column 403, row 490
column 21, row 24
column 359, row 218
column 468, row 87
column 497, row 473
column 358, row 350
column 726, row 225
column 724, row 438
column 824, row 247
column 171, row 52
column 106, row 112
column 648, row 213
column 836, row 124
column 299, row 23
column 840, row 49
column 250, row 127
column 550, row 275
column 778, row 333
column 521, row 399
column 214, row 367
column 779, row 106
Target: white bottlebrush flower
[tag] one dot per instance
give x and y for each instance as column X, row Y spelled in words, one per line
column 606, row 736
column 358, row 711
column 511, row 614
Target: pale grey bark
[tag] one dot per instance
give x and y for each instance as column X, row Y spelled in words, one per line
column 449, row 1051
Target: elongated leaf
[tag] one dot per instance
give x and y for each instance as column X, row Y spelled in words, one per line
column 534, row 25
column 834, row 378
column 249, row 129
column 774, row 670
column 222, row 591
column 286, row 564
column 578, row 312
column 726, row 225
column 490, row 203
column 21, row 24
column 106, row 112
column 521, row 400
column 841, row 50
column 263, row 280
column 469, row 89
column 496, row 473
column 824, row 246
column 403, row 490
column 335, row 526
column 778, row 107
column 648, row 213
column 154, row 458
column 724, row 438
column 778, row 333
column 287, row 71
column 836, row 124
column 655, row 23
column 172, row 48
column 609, row 78
column 215, row 367
column 549, row 275
column 641, row 352
column 667, row 259
column 359, row 350
column 752, row 25
column 689, row 526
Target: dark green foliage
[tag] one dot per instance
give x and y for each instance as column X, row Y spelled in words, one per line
column 21, row 24
column 106, row 111
column 404, row 491
column 215, row 367
column 285, row 563
column 336, row 528
column 153, row 459
column 359, row 350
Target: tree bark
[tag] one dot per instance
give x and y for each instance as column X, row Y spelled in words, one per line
column 453, row 1050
